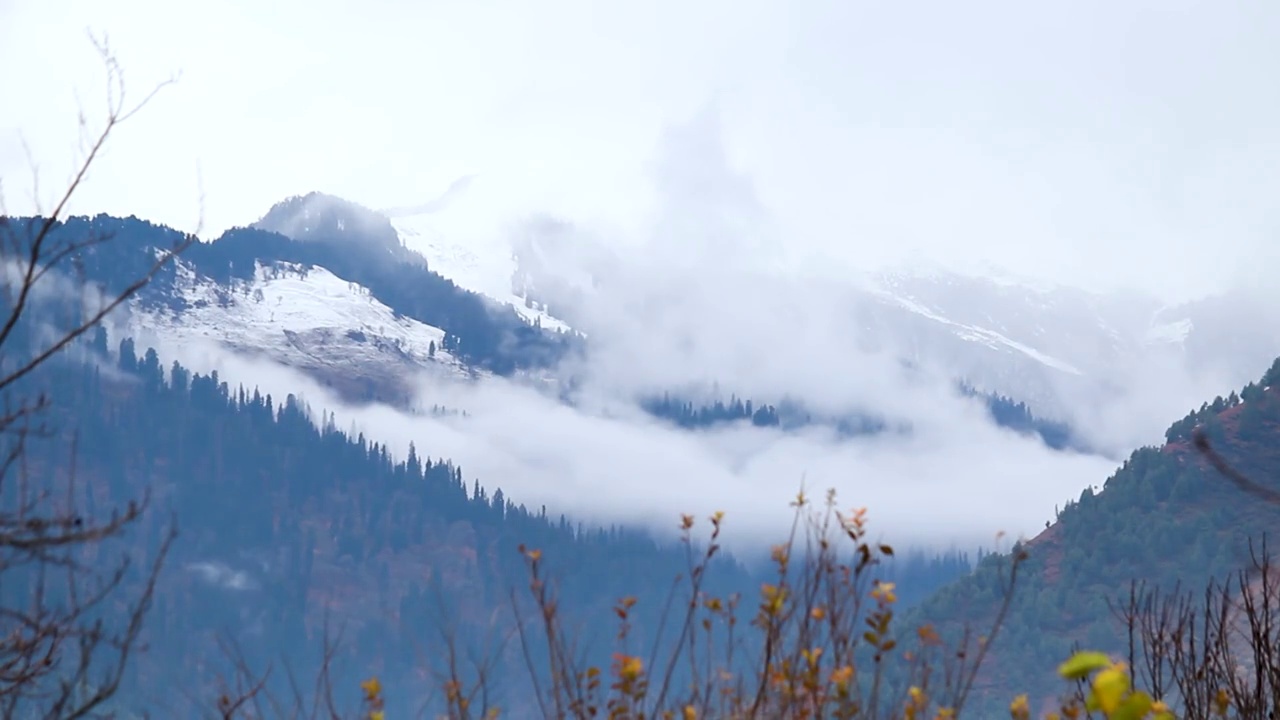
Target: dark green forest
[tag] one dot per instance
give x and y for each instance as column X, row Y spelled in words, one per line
column 791, row 414
column 288, row 523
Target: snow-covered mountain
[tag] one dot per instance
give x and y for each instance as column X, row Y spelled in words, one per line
column 360, row 298
column 459, row 240
column 1041, row 343
column 327, row 287
column 1002, row 334
column 1022, row 340
column 306, row 318
column 1044, row 343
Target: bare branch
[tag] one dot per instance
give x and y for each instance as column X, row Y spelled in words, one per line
column 59, row 656
column 1201, row 442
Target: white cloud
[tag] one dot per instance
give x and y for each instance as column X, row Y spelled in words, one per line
column 957, row 481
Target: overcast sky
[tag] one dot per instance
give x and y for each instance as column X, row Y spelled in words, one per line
column 1094, row 143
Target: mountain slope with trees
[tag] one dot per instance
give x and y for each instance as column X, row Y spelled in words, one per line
column 1166, row 519
column 345, row 241
column 288, row 523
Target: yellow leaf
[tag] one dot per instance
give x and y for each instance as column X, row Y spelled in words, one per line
column 917, row 696
column 1083, row 663
column 1222, row 702
column 629, row 667
column 883, row 591
column 1110, row 686
column 1020, row 708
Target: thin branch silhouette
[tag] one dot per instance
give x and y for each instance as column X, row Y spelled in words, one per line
column 1201, row 442
column 71, row 620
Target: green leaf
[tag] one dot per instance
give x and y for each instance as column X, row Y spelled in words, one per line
column 1134, row 707
column 1083, row 663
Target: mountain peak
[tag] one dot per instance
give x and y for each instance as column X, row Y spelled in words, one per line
column 319, row 217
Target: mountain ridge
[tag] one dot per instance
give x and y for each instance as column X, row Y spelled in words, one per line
column 257, row 292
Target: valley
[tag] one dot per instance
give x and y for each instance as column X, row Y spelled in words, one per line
column 502, row 361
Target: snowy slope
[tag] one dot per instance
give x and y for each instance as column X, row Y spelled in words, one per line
column 1173, row 332
column 1037, row 343
column 1002, row 333
column 1026, row 339
column 462, row 239
column 306, row 318
column 1040, row 343
column 983, row 336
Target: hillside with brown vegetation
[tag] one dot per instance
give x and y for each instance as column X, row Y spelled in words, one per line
column 1166, row 519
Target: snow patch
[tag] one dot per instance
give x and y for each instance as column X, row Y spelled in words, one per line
column 1171, row 332
column 464, row 240
column 298, row 314
column 990, row 338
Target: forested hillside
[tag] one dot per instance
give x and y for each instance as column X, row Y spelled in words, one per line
column 1165, row 518
column 283, row 523
column 287, row 523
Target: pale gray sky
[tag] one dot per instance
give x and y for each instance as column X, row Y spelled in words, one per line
column 1092, row 142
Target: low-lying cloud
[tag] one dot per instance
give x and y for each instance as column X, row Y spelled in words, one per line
column 957, row 480
column 709, row 290
column 702, row 293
